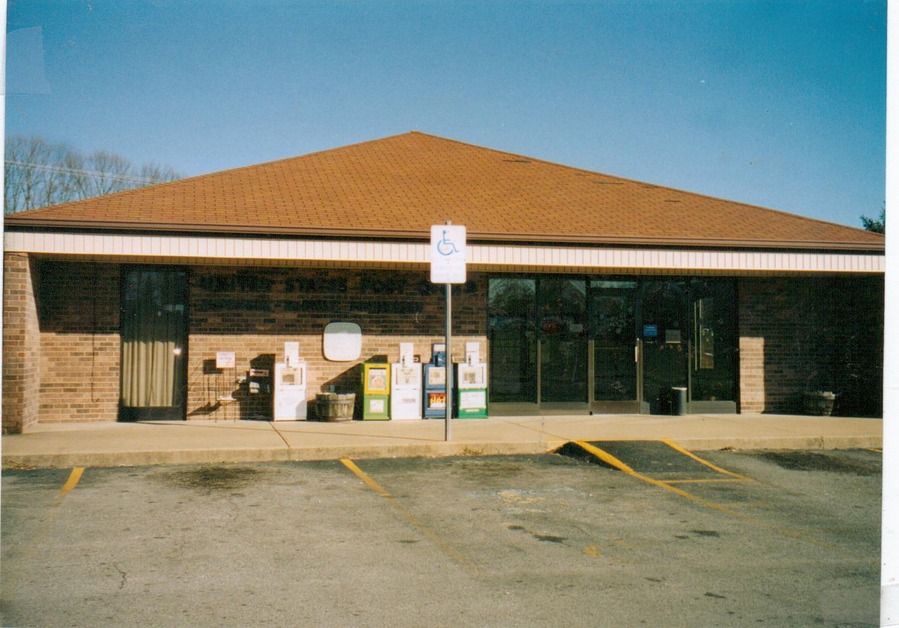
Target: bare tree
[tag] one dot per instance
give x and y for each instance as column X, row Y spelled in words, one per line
column 39, row 173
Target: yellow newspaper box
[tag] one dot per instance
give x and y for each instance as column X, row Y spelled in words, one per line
column 375, row 391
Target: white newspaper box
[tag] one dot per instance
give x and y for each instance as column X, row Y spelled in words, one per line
column 471, row 385
column 289, row 394
column 405, row 386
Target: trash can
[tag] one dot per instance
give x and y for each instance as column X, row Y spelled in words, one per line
column 679, row 401
column 334, row 406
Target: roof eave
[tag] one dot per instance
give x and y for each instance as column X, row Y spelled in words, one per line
column 12, row 221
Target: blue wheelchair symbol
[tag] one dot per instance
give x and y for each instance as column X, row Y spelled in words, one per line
column 445, row 246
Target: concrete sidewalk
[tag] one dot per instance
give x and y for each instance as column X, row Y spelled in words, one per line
column 191, row 442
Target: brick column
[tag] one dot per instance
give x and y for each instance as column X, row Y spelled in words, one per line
column 21, row 346
column 782, row 335
column 752, row 374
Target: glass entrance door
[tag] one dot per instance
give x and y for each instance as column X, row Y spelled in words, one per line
column 538, row 345
column 562, row 313
column 513, row 343
column 714, row 343
column 154, row 344
column 615, row 365
column 665, row 342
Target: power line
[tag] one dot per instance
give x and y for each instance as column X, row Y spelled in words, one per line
column 78, row 171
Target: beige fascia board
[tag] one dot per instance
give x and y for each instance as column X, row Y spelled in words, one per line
column 186, row 248
column 417, row 235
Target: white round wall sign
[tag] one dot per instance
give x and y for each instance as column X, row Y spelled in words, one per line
column 342, row 342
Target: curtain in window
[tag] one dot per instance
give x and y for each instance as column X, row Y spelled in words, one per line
column 153, row 326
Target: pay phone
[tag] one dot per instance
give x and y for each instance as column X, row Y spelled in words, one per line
column 259, row 390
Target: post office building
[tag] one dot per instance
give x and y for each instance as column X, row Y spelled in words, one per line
column 584, row 292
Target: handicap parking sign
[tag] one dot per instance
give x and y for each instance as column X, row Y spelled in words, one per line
column 448, row 254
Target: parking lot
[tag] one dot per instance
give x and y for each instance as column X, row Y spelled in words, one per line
column 623, row 534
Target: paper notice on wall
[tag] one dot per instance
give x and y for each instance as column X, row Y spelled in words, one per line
column 292, row 353
column 225, row 360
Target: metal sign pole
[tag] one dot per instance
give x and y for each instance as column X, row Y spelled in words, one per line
column 448, row 267
column 449, row 361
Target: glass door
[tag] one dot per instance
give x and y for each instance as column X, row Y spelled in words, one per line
column 562, row 319
column 513, row 345
column 665, row 342
column 154, row 344
column 714, row 341
column 615, row 352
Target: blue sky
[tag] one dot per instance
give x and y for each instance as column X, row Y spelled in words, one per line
column 775, row 103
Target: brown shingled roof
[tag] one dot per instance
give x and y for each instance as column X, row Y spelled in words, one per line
column 398, row 186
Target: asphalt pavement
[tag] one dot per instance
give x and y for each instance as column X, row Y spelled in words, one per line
column 757, row 538
column 196, row 442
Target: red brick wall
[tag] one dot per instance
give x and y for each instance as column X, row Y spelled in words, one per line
column 80, row 348
column 61, row 346
column 253, row 312
column 811, row 333
column 21, row 345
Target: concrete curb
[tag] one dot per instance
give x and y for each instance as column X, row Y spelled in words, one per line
column 307, row 454
column 410, row 450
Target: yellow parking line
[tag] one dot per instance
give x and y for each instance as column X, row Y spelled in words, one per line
column 42, row 529
column 690, row 454
column 73, row 480
column 362, row 475
column 618, row 464
column 411, row 519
